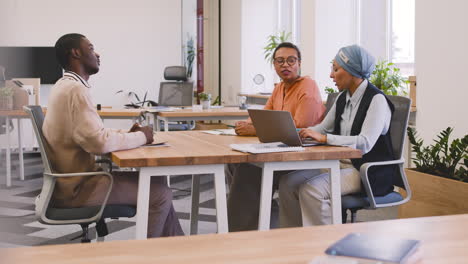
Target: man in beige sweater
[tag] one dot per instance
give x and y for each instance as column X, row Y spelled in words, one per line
column 76, row 133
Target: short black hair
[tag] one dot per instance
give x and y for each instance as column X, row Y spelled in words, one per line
column 64, row 45
column 288, row 45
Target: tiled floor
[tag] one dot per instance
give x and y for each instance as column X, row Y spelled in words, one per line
column 18, row 226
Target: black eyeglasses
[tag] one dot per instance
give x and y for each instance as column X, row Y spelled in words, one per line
column 291, row 60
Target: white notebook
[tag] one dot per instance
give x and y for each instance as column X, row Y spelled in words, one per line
column 265, row 147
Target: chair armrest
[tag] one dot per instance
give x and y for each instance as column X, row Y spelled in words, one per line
column 365, row 177
column 106, row 161
column 46, row 195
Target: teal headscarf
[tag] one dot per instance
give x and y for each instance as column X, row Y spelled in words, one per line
column 356, row 60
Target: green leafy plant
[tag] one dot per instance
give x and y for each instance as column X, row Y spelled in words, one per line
column 204, row 96
column 138, row 103
column 445, row 159
column 388, row 78
column 6, row 91
column 330, row 90
column 190, row 56
column 272, row 42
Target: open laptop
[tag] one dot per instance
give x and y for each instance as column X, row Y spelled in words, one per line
column 277, row 126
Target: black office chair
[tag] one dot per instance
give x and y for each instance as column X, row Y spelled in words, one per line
column 176, row 92
column 47, row 214
column 398, row 126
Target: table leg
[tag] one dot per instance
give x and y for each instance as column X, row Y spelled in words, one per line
column 20, row 150
column 335, row 187
column 166, row 126
column 195, row 204
column 220, row 193
column 8, row 157
column 143, row 204
column 265, row 198
column 156, row 125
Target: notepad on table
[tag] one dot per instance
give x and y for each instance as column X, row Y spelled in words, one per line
column 265, row 147
column 366, row 248
column 227, row 132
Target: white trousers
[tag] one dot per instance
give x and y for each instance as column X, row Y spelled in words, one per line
column 309, row 203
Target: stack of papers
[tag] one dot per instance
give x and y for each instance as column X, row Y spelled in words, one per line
column 265, row 147
column 227, row 132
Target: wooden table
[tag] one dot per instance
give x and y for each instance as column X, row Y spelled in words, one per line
column 194, row 152
column 444, row 240
column 105, row 113
column 223, row 113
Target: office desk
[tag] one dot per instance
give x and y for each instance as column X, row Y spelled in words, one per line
column 224, row 113
column 194, row 152
column 105, row 113
column 444, row 240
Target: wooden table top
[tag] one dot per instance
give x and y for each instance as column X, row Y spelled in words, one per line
column 195, row 147
column 444, row 240
column 223, row 111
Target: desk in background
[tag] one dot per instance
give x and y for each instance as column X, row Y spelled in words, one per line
column 444, row 240
column 194, row 152
column 223, row 113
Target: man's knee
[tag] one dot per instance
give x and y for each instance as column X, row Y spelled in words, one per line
column 315, row 188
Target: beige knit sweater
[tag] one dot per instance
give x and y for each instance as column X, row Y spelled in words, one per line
column 75, row 133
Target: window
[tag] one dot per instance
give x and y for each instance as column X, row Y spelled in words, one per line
column 401, row 39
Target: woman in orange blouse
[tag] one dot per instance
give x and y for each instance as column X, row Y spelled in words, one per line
column 296, row 94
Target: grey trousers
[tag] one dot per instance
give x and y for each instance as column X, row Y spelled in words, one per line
column 309, row 203
column 244, row 193
column 162, row 218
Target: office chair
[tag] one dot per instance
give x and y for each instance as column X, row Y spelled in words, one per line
column 331, row 98
column 47, row 214
column 398, row 126
column 178, row 92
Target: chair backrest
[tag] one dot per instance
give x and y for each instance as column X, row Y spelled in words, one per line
column 331, row 98
column 37, row 117
column 179, row 92
column 399, row 123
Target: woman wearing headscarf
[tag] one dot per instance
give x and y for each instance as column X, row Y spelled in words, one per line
column 359, row 118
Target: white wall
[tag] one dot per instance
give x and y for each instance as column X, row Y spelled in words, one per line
column 334, row 28
column 373, row 31
column 259, row 20
column 136, row 39
column 440, row 57
column 231, row 40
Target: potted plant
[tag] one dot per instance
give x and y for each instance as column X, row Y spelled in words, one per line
column 272, row 42
column 138, row 103
column 388, row 78
column 440, row 180
column 6, row 97
column 205, row 99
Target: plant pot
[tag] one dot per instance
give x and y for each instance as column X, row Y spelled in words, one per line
column 206, row 104
column 6, row 102
column 434, row 195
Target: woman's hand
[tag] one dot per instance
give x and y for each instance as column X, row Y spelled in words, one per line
column 314, row 135
column 244, row 128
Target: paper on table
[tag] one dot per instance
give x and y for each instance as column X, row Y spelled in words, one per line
column 226, row 132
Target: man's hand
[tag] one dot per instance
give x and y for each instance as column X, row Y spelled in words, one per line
column 314, row 135
column 244, row 128
column 147, row 130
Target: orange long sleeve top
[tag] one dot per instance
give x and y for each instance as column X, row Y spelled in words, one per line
column 302, row 100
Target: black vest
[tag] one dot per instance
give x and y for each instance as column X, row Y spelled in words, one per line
column 380, row 177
